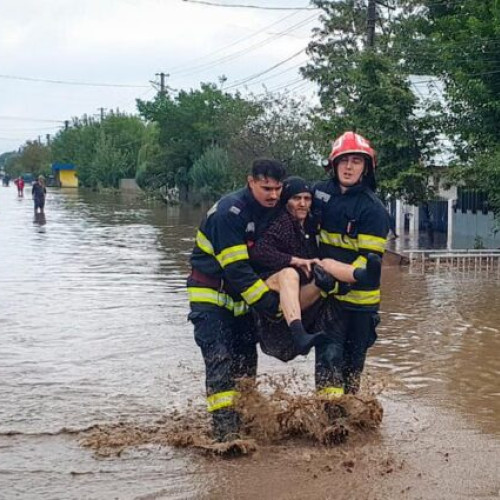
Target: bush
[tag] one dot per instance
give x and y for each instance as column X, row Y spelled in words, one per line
column 211, row 174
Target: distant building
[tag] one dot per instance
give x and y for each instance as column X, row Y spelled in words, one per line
column 65, row 175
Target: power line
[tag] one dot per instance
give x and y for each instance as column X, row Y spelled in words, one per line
column 65, row 82
column 248, row 79
column 25, row 118
column 241, row 6
column 235, row 55
column 235, row 42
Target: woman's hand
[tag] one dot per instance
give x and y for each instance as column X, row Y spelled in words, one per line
column 304, row 264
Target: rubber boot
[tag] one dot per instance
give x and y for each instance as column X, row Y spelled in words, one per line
column 226, row 425
column 369, row 275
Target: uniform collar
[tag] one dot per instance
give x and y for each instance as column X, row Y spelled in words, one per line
column 350, row 191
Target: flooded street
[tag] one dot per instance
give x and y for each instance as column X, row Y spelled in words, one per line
column 93, row 328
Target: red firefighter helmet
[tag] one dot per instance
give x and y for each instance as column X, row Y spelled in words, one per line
column 350, row 142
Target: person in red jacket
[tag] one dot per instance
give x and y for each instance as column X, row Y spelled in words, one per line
column 19, row 182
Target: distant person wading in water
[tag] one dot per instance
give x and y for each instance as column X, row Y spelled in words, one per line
column 19, row 182
column 39, row 193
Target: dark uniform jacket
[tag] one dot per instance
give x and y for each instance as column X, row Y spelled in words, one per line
column 351, row 225
column 221, row 272
column 285, row 238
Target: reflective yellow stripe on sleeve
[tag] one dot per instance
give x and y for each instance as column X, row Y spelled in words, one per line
column 216, row 298
column 370, row 242
column 361, row 297
column 331, row 392
column 359, row 262
column 221, row 400
column 253, row 293
column 338, row 240
column 204, row 243
column 232, row 254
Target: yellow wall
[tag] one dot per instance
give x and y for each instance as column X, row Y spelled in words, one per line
column 67, row 178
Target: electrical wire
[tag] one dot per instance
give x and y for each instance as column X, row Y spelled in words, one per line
column 197, row 69
column 232, row 44
column 66, row 82
column 277, row 65
column 25, row 118
column 241, row 6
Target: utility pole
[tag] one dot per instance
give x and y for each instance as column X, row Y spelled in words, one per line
column 162, row 82
column 370, row 24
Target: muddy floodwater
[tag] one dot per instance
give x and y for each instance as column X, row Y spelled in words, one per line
column 93, row 331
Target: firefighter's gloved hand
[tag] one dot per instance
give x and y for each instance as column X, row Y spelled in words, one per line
column 327, row 283
column 269, row 304
column 369, row 275
column 323, row 280
column 305, row 341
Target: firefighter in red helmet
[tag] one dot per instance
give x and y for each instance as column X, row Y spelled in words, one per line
column 353, row 227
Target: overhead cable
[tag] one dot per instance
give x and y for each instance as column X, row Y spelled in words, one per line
column 235, row 55
column 27, row 119
column 235, row 42
column 66, row 82
column 241, row 6
column 256, row 75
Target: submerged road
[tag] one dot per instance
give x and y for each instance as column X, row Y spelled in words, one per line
column 93, row 330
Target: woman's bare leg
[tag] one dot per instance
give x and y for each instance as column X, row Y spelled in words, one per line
column 295, row 297
column 309, row 294
column 287, row 283
column 339, row 270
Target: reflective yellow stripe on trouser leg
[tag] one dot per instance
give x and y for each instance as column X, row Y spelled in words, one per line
column 331, row 392
column 219, row 400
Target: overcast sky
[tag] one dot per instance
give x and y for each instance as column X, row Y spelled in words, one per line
column 124, row 43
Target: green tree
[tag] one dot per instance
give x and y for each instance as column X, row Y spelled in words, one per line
column 365, row 89
column 33, row 158
column 151, row 173
column 109, row 164
column 77, row 145
column 457, row 44
column 282, row 130
column 211, row 174
column 190, row 122
column 89, row 144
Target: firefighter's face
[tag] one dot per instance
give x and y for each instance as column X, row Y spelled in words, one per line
column 299, row 206
column 350, row 169
column 265, row 190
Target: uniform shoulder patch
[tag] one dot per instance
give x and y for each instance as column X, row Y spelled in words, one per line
column 235, row 210
column 321, row 195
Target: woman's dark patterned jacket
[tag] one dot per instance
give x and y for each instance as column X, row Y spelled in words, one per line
column 285, row 238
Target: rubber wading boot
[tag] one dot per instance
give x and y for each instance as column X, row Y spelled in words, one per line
column 369, row 275
column 226, row 425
